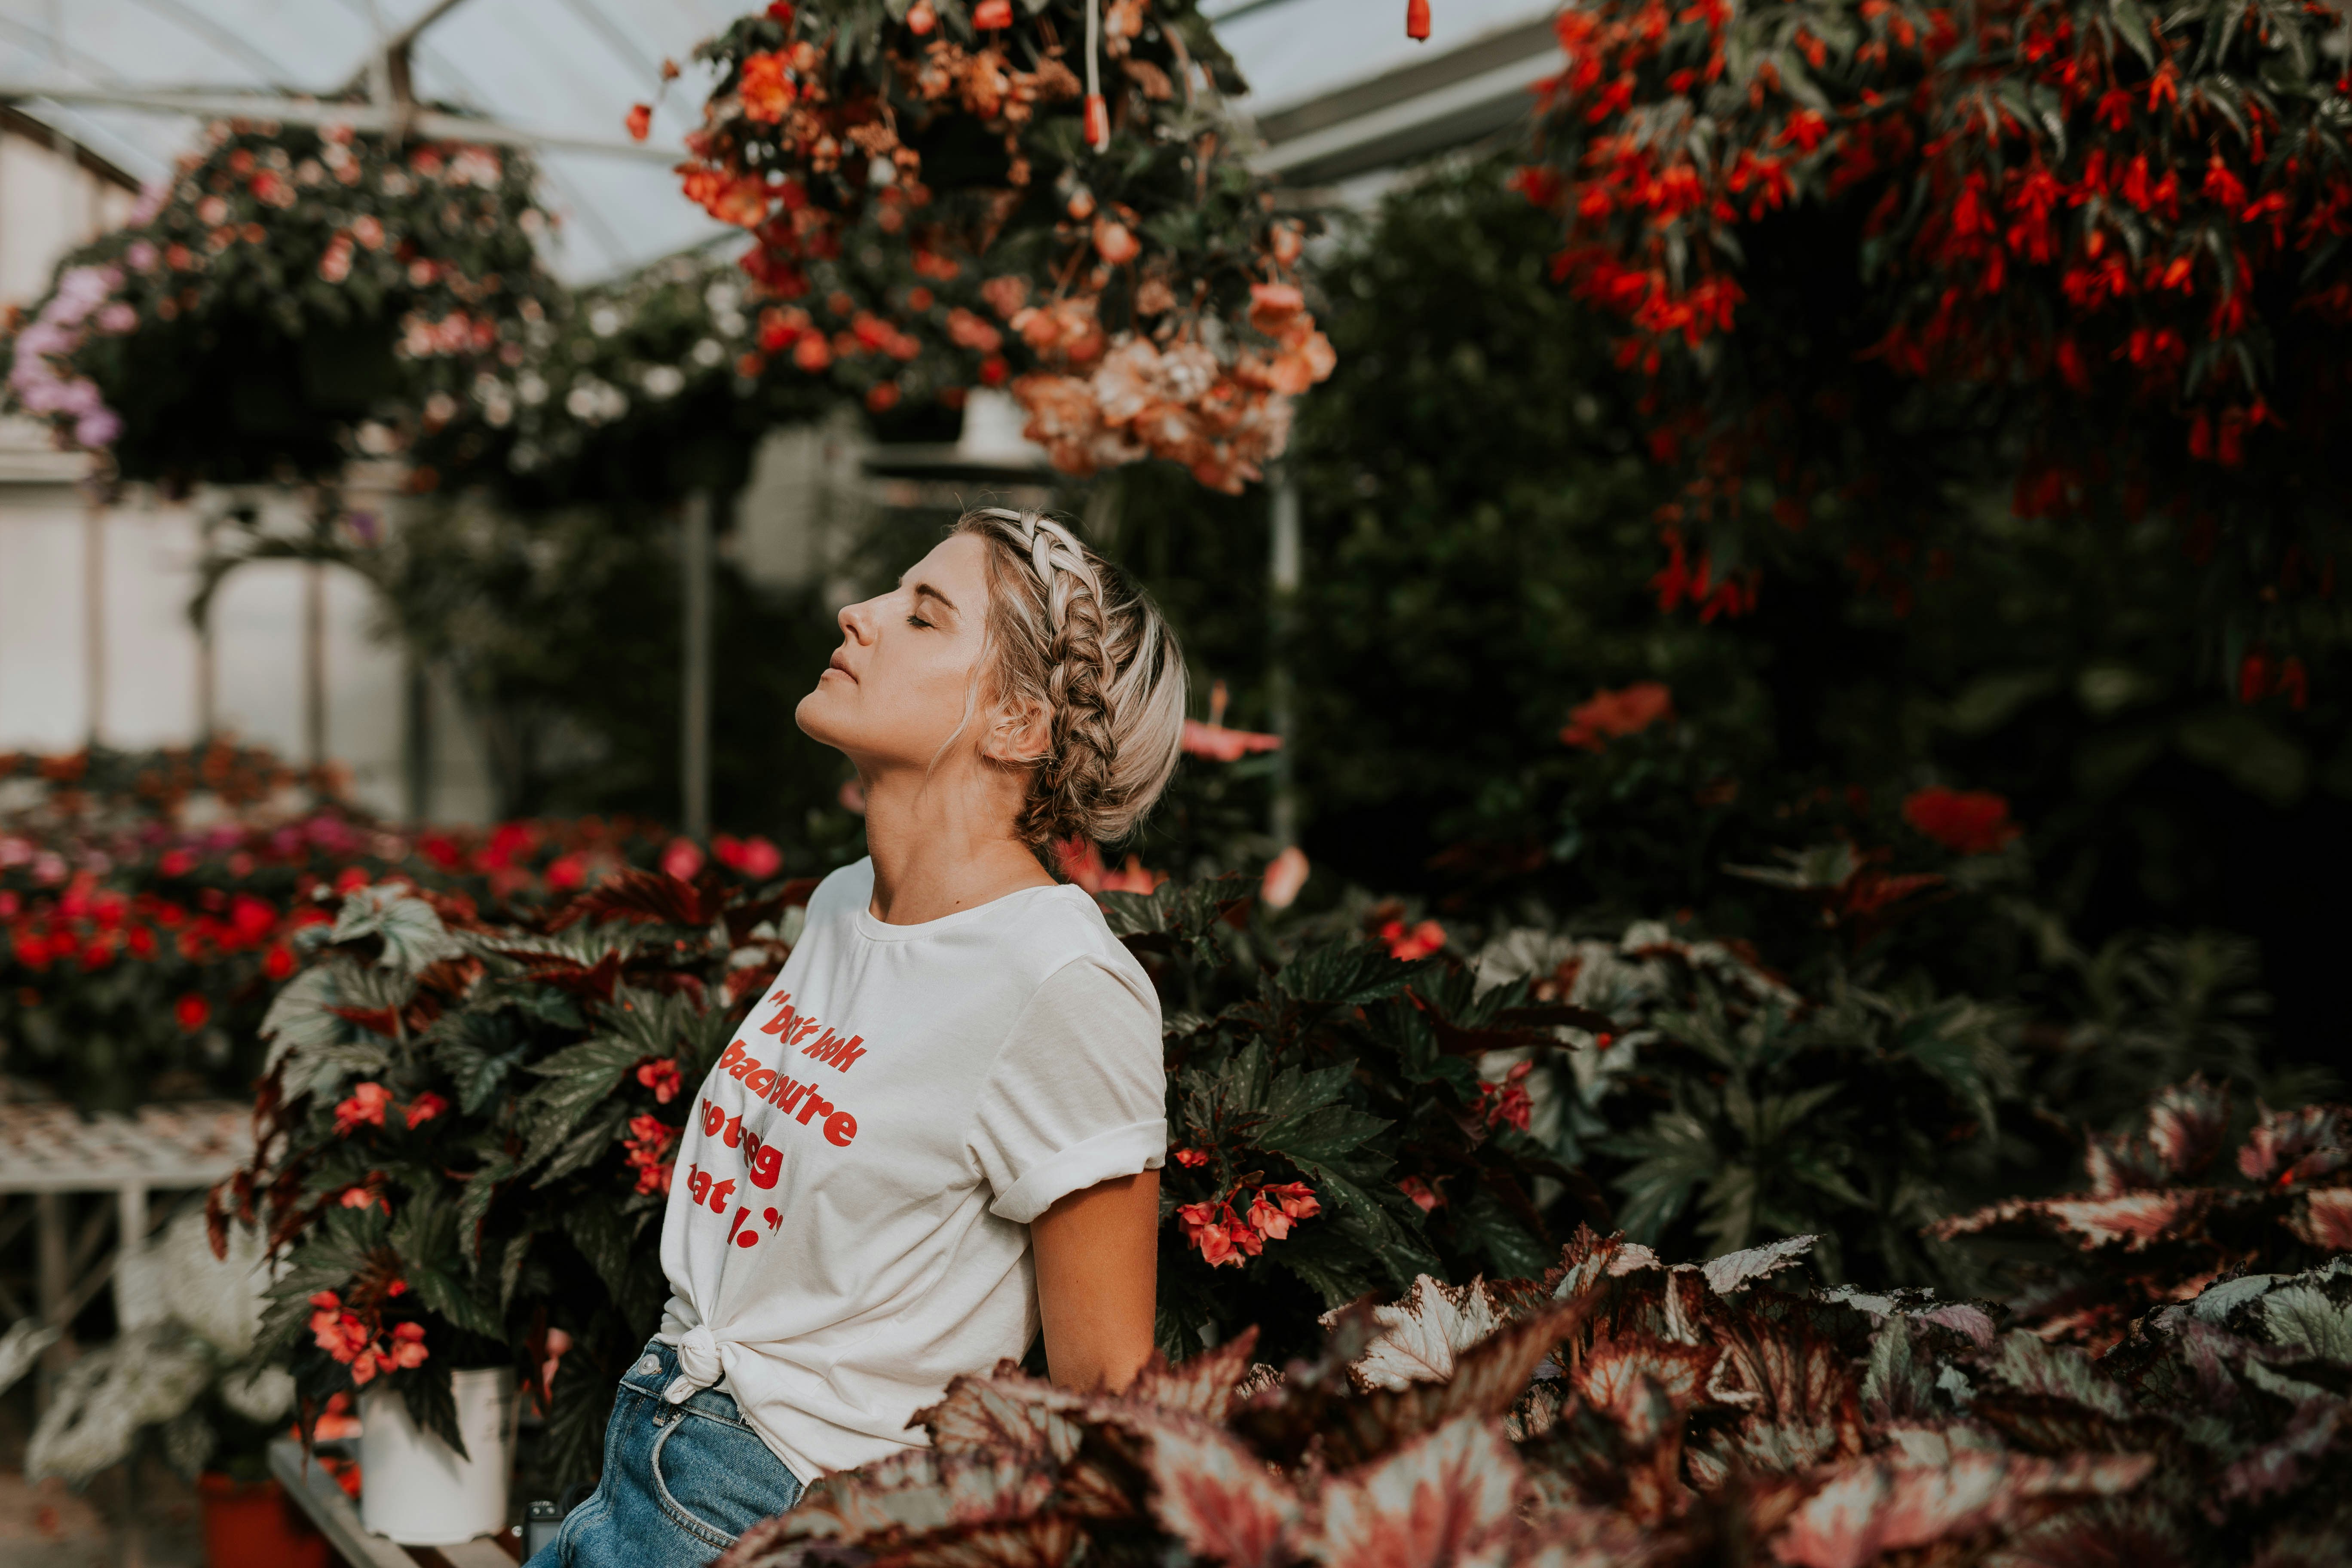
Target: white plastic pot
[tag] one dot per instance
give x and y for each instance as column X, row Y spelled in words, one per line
column 413, row 1486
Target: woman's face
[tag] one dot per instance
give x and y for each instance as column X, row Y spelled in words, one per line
column 899, row 684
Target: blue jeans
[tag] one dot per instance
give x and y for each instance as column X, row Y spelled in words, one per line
column 680, row 1482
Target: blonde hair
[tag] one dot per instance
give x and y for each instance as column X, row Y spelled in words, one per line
column 1067, row 630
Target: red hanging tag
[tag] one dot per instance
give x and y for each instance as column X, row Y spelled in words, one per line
column 1416, row 20
column 990, row 15
column 1097, row 122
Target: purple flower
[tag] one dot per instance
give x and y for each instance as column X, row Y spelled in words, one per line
column 152, row 197
column 141, row 255
column 117, row 317
column 80, row 290
column 98, row 428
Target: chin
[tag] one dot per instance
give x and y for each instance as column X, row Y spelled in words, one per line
column 812, row 715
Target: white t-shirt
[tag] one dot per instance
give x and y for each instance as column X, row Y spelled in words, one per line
column 848, row 1221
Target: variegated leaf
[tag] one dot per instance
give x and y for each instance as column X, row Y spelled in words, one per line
column 1610, row 1373
column 1048, row 1541
column 2319, row 1425
column 1207, row 1385
column 2303, row 1318
column 1867, row 1508
column 2325, row 1219
column 1421, row 1336
column 1220, row 1499
column 2284, row 1140
column 2028, row 1365
column 1735, row 1271
column 2136, row 1220
column 2186, row 1123
column 1588, row 1538
column 1439, row 1502
column 1589, row 1258
column 1803, row 1403
column 1003, row 1412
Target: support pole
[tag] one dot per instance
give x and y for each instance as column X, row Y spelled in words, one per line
column 207, row 712
column 130, row 1235
column 314, row 670
column 694, row 739
column 93, row 611
column 1282, row 602
column 416, row 748
column 49, row 1285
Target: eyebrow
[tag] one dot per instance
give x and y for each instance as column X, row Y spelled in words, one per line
column 923, row 588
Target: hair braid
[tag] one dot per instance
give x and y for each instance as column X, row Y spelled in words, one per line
column 1067, row 631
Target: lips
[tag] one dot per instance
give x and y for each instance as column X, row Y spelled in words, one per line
column 840, row 664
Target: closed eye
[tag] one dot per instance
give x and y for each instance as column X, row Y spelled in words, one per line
column 917, row 621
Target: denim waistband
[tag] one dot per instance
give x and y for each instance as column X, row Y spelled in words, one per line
column 656, row 1368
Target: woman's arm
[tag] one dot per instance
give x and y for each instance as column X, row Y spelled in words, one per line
column 1098, row 1255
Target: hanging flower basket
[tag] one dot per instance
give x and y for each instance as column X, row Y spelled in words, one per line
column 292, row 296
column 1062, row 181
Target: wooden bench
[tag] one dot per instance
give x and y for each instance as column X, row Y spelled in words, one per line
column 320, row 1496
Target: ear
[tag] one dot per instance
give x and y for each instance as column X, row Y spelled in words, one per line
column 1020, row 733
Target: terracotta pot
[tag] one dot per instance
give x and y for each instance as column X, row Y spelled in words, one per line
column 250, row 1524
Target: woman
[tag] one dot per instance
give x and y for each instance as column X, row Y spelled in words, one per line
column 944, row 1120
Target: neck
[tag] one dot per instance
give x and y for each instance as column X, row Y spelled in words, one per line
column 943, row 841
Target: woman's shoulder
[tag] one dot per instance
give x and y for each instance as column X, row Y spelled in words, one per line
column 1062, row 924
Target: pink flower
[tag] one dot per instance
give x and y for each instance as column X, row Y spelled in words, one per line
column 1419, row 1192
column 1190, row 1159
column 661, row 1077
column 1286, row 874
column 1239, row 1232
column 424, row 1107
column 365, row 1108
column 1225, row 746
column 1297, row 1198
column 1966, row 822
column 1267, row 1220
column 1205, row 1230
column 649, row 1139
column 1422, row 941
column 682, row 859
column 755, row 859
column 1132, row 877
column 1608, row 715
column 408, row 1345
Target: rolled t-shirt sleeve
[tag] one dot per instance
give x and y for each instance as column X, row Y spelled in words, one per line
column 1078, row 1094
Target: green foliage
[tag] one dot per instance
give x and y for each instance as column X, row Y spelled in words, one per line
column 1325, row 1071
column 1479, row 507
column 1723, row 1106
column 634, row 392
column 465, row 1136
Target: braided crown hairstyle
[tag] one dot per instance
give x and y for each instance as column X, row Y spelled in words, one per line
column 1067, row 630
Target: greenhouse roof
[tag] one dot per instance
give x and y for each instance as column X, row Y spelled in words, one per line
column 1336, row 87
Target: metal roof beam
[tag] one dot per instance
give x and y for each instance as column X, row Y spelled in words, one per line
column 428, row 124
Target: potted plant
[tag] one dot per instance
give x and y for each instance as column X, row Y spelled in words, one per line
column 462, row 1155
column 1079, row 214
column 181, row 1380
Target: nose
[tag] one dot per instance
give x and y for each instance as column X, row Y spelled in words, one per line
column 856, row 622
